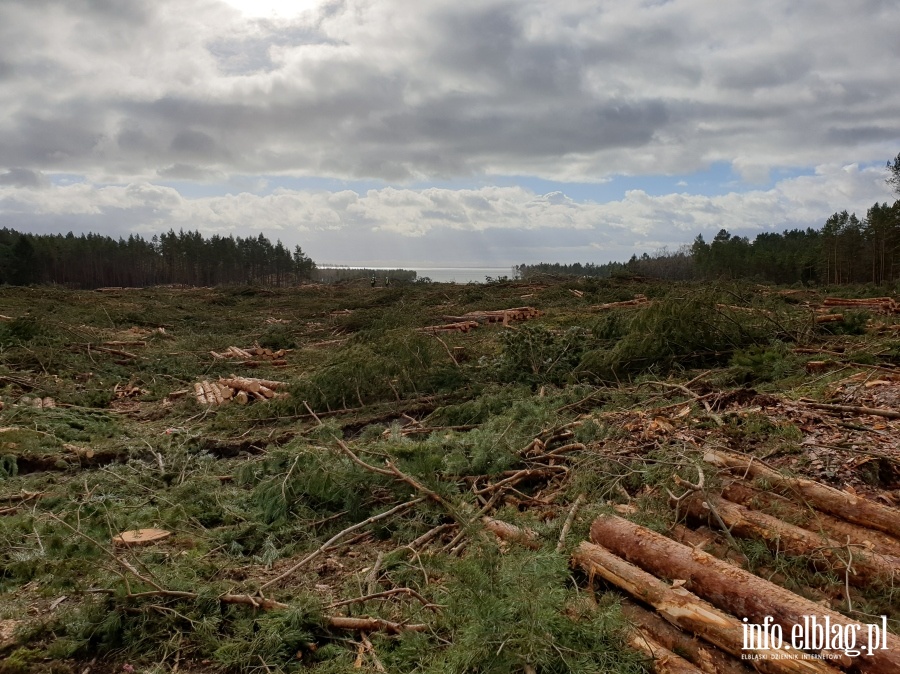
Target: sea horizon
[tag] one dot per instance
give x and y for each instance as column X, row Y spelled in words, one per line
column 439, row 274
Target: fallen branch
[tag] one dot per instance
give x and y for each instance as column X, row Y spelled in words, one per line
column 568, row 523
column 852, row 409
column 373, row 625
column 383, row 595
column 349, row 530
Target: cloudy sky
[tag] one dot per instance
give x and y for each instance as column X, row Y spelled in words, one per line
column 446, row 132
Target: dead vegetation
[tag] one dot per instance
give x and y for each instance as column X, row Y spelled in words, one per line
column 557, row 490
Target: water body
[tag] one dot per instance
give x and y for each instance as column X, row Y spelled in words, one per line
column 444, row 274
column 461, row 274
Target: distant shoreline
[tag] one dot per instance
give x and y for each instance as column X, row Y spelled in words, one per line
column 439, row 274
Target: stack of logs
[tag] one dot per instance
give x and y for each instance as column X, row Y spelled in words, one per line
column 473, row 319
column 878, row 305
column 254, row 356
column 701, row 612
column 240, row 389
column 883, row 305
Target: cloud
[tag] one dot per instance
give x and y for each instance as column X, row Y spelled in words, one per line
column 19, row 177
column 565, row 91
column 461, row 225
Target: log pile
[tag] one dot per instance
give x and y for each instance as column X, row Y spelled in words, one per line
column 253, row 356
column 882, row 305
column 473, row 319
column 42, row 403
column 240, row 389
column 458, row 326
column 638, row 301
column 698, row 592
column 502, row 315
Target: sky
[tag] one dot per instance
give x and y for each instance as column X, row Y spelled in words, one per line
column 446, row 132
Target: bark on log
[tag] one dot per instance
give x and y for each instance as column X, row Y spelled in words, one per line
column 863, row 567
column 703, row 656
column 822, row 497
column 733, row 589
column 664, row 660
column 810, row 519
column 685, row 609
column 708, row 541
column 511, row 533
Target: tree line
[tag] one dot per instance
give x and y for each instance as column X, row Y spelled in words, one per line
column 94, row 261
column 846, row 249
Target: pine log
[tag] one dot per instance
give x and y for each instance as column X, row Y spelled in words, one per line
column 810, row 519
column 863, row 567
column 846, row 506
column 664, row 660
column 200, row 394
column 242, row 384
column 511, row 533
column 734, row 590
column 685, row 609
column 703, row 656
column 708, row 541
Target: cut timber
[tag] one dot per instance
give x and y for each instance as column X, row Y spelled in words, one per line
column 811, row 519
column 511, row 533
column 706, row 658
column 886, row 305
column 141, row 536
column 822, row 497
column 638, row 301
column 664, row 660
column 864, row 567
column 708, row 541
column 735, row 590
column 502, row 315
column 251, row 385
column 200, row 394
column 459, row 326
column 830, row 318
column 684, row 609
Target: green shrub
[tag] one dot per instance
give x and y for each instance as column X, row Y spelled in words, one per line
column 533, row 354
column 687, row 330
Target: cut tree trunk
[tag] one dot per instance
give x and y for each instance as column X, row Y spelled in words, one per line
column 511, row 533
column 685, row 609
column 735, row 590
column 810, row 519
column 703, row 656
column 863, row 567
column 664, row 660
column 822, row 497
